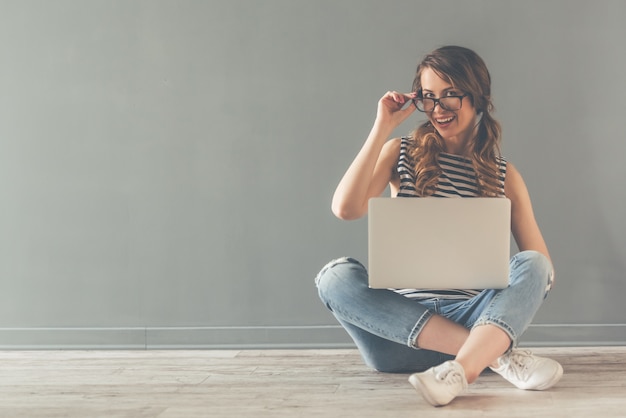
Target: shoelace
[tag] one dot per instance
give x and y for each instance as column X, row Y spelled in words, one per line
column 519, row 363
column 449, row 376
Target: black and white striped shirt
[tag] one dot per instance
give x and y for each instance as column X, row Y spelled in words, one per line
column 458, row 179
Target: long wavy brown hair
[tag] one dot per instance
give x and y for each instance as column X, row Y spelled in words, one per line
column 467, row 72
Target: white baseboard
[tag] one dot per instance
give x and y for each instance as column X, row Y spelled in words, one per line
column 261, row 337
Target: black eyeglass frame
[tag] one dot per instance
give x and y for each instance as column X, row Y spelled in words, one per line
column 438, row 102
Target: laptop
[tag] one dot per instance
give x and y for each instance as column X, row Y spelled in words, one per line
column 439, row 243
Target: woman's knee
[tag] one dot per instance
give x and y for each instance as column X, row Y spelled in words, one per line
column 340, row 268
column 532, row 266
column 339, row 275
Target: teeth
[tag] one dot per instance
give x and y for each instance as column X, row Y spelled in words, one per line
column 445, row 120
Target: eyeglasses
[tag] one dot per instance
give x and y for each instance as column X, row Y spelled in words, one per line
column 427, row 104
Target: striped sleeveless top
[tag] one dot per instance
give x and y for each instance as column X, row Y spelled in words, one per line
column 458, row 179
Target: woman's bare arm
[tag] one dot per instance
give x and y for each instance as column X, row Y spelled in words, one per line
column 371, row 170
column 523, row 223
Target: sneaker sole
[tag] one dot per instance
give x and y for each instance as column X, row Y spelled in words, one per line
column 553, row 381
column 414, row 379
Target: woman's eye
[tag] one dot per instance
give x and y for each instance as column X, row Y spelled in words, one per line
column 452, row 93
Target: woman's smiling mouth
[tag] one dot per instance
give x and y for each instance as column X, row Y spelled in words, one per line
column 444, row 121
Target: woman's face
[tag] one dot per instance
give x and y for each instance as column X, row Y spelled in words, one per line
column 452, row 125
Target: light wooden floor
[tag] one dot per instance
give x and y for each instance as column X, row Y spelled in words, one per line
column 284, row 383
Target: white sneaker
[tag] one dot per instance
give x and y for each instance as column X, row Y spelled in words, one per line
column 527, row 371
column 439, row 385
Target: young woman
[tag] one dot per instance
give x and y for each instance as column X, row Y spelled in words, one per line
column 447, row 337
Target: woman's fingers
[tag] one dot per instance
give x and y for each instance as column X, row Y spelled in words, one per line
column 398, row 99
column 393, row 107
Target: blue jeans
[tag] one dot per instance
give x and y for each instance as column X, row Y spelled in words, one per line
column 385, row 325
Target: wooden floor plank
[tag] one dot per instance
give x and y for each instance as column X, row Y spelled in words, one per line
column 284, row 383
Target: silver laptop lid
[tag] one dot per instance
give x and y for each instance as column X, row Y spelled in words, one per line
column 439, row 243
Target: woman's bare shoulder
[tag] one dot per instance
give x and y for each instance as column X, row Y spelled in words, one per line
column 392, row 147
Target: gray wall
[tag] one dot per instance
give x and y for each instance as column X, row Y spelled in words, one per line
column 166, row 167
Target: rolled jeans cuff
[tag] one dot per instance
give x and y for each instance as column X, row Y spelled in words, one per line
column 499, row 324
column 417, row 329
